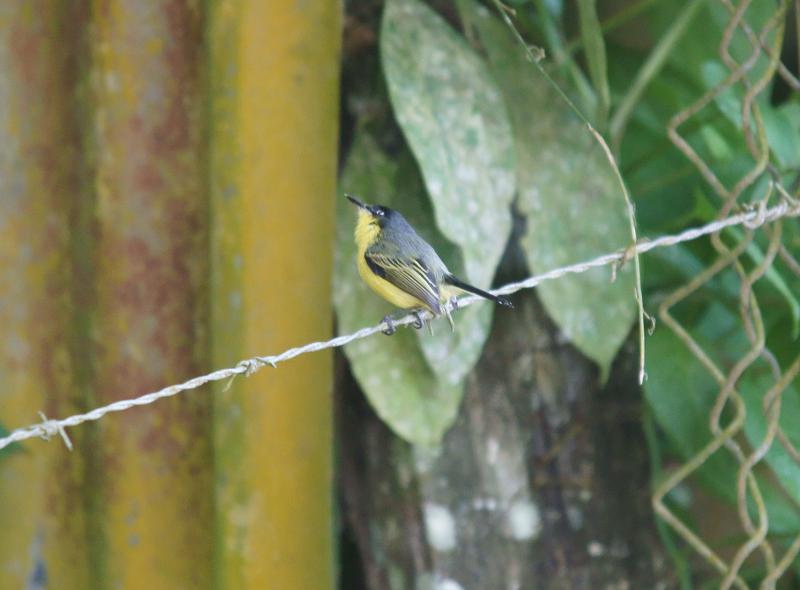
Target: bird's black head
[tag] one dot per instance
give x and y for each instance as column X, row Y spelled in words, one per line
column 383, row 215
column 378, row 213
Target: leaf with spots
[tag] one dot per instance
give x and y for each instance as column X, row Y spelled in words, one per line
column 392, row 371
column 573, row 206
column 451, row 354
column 455, row 121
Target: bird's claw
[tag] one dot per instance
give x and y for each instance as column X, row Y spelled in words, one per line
column 453, row 301
column 419, row 320
column 390, row 329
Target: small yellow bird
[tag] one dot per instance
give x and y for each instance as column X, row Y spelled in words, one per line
column 403, row 268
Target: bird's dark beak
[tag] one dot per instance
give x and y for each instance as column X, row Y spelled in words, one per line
column 356, row 202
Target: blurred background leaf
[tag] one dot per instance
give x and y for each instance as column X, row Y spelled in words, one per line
column 571, row 202
column 451, row 354
column 595, row 50
column 392, row 371
column 455, row 121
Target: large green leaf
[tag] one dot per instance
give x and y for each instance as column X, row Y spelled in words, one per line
column 781, row 123
column 455, row 121
column 392, row 371
column 451, row 354
column 705, row 35
column 572, row 203
column 754, row 387
column 681, row 393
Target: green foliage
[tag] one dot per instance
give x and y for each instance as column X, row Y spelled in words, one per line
column 483, row 128
column 672, row 195
column 681, row 393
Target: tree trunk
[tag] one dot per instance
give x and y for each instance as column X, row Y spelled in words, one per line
column 541, row 483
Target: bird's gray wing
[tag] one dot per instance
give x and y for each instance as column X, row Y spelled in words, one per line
column 409, row 274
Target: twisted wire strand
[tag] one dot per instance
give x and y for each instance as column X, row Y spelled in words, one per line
column 48, row 428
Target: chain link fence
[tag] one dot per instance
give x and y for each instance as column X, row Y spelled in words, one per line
column 746, row 257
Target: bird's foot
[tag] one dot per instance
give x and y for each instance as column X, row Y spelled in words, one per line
column 390, row 329
column 419, row 319
column 453, row 301
column 450, row 320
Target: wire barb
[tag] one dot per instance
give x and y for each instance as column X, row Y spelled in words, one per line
column 51, row 428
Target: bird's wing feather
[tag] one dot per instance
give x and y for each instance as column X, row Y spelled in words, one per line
column 409, row 274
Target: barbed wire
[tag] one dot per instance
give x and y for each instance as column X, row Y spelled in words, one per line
column 49, row 428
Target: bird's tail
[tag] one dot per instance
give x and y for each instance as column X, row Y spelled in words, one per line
column 451, row 280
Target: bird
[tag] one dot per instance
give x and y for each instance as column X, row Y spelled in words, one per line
column 397, row 264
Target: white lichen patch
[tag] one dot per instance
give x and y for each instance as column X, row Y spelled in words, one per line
column 425, row 459
column 451, row 355
column 595, row 549
column 447, row 584
column 523, row 521
column 574, row 517
column 440, row 527
column 492, row 450
column 487, row 504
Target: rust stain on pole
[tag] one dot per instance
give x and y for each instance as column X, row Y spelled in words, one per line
column 42, row 526
column 149, row 323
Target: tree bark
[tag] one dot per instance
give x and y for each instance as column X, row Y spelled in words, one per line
column 541, row 483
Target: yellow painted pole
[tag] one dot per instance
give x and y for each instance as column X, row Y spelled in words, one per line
column 274, row 80
column 42, row 530
column 153, row 465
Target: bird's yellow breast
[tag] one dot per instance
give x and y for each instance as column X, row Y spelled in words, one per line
column 384, row 288
column 367, row 231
